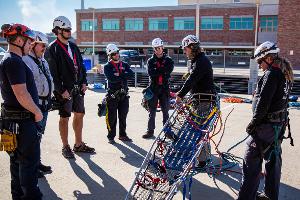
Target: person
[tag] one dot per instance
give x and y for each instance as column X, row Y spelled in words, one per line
column 199, row 81
column 160, row 67
column 117, row 74
column 70, row 84
column 43, row 80
column 267, row 126
column 20, row 112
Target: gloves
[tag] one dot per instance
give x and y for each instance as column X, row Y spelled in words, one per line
column 251, row 128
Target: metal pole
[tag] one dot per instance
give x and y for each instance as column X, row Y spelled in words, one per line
column 197, row 18
column 93, row 37
column 224, row 59
column 253, row 65
column 256, row 23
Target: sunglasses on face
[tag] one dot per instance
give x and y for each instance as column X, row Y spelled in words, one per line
column 115, row 53
column 67, row 30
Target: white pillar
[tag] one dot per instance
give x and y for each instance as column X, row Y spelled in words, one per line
column 197, row 19
column 253, row 76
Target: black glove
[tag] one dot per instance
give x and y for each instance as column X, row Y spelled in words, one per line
column 251, row 128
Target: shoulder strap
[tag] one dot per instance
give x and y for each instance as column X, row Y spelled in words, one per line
column 42, row 68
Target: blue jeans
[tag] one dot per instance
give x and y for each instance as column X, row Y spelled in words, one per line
column 23, row 163
column 42, row 126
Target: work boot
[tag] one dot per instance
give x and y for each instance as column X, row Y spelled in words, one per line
column 149, row 134
column 44, row 168
column 125, row 139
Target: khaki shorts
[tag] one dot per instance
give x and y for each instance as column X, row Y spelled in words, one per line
column 75, row 104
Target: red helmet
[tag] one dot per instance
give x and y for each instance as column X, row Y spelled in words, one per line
column 17, row 29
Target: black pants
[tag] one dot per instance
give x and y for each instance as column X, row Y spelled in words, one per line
column 117, row 107
column 163, row 96
column 257, row 151
column 24, row 162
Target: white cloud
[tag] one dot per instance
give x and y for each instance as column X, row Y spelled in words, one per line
column 39, row 15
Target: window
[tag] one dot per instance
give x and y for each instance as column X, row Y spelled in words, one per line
column 212, row 23
column 86, row 25
column 134, row 24
column 236, row 1
column 268, row 24
column 110, row 24
column 158, row 24
column 241, row 23
column 184, row 23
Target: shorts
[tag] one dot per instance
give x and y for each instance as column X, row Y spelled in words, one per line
column 75, row 104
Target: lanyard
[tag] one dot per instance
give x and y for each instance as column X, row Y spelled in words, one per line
column 160, row 78
column 116, row 66
column 67, row 52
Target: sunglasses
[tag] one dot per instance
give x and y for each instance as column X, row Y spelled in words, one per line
column 115, row 53
column 67, row 30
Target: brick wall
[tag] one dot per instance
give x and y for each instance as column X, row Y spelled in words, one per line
column 171, row 36
column 289, row 30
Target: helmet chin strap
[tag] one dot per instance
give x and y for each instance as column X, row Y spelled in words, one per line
column 62, row 35
column 21, row 47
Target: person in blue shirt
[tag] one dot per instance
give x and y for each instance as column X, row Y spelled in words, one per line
column 20, row 112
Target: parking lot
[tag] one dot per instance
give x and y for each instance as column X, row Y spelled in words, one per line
column 110, row 172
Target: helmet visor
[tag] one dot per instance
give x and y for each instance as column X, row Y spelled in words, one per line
column 29, row 34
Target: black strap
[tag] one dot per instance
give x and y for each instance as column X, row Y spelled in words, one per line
column 43, row 69
column 290, row 133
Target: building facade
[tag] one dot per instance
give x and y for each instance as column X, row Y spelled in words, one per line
column 226, row 28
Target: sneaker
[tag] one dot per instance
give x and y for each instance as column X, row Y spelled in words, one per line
column 111, row 141
column 83, row 148
column 125, row 139
column 149, row 134
column 44, row 168
column 67, row 152
column 261, row 196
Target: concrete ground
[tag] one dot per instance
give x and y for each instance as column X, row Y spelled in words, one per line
column 110, row 172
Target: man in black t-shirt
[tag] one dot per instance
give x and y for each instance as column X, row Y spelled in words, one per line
column 70, row 84
column 20, row 112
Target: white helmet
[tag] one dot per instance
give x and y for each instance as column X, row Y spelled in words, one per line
column 190, row 39
column 157, row 42
column 111, row 48
column 41, row 38
column 265, row 49
column 62, row 22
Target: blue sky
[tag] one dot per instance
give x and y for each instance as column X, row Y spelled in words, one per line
column 39, row 14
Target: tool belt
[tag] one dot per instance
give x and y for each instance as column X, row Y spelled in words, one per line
column 8, row 135
column 277, row 117
column 14, row 114
column 117, row 94
column 76, row 90
column 45, row 103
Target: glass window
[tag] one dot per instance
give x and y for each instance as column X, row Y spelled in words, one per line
column 134, row 24
column 241, row 23
column 86, row 25
column 268, row 24
column 212, row 23
column 158, row 24
column 187, row 23
column 110, row 24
